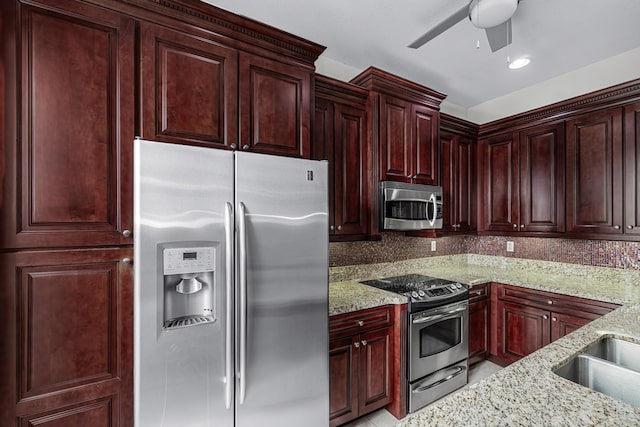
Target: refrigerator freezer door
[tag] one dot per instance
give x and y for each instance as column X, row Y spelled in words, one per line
column 180, row 198
column 285, row 372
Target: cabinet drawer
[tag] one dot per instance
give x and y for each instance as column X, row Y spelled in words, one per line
column 478, row 292
column 359, row 321
column 552, row 301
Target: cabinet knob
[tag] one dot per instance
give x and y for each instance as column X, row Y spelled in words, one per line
column 555, row 319
column 616, row 227
column 126, row 233
column 356, row 344
column 521, row 225
column 550, row 302
column 408, row 176
column 364, row 342
column 415, row 176
column 331, row 227
column 515, row 225
column 127, row 261
column 478, row 293
column 339, row 227
column 234, row 146
column 360, row 323
column 629, row 227
column 245, row 147
column 545, row 317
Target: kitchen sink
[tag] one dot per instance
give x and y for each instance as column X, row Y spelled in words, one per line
column 610, row 366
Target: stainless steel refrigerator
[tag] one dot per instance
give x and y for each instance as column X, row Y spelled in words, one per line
column 231, row 288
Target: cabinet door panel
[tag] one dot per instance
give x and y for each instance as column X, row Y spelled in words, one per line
column 73, row 180
column 632, row 170
column 395, row 139
column 594, row 175
column 72, row 337
column 189, row 88
column 424, row 128
column 343, row 380
column 351, row 196
column 542, row 179
column 375, row 374
column 322, row 148
column 274, row 107
column 465, row 182
column 448, row 181
column 564, row 324
column 102, row 413
column 478, row 330
column 522, row 330
column 500, row 158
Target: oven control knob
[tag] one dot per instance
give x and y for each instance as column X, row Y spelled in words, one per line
column 421, row 293
column 414, row 294
column 459, row 285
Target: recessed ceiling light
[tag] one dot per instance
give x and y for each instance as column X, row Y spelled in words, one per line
column 519, row 63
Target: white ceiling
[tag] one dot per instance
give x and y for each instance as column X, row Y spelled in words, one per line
column 558, row 35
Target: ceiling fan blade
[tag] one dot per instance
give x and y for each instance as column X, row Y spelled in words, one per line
column 499, row 36
column 441, row 27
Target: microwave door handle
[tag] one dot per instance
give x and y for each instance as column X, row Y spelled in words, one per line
column 432, row 202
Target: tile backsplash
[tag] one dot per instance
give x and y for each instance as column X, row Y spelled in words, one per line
column 397, row 247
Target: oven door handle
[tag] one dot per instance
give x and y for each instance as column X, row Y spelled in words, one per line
column 427, row 318
column 457, row 310
column 456, row 371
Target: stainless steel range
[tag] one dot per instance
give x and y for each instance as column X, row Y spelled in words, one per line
column 438, row 344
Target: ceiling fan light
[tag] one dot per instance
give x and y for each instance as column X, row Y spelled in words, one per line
column 490, row 13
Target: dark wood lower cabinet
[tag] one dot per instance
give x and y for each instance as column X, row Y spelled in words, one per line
column 478, row 323
column 525, row 320
column 360, row 364
column 66, row 354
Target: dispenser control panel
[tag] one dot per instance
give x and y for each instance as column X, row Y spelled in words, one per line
column 188, row 260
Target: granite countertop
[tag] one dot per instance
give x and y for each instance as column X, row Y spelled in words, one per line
column 526, row 393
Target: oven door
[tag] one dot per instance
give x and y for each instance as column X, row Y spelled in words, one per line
column 438, row 338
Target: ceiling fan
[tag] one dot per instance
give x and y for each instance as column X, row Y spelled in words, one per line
column 494, row 16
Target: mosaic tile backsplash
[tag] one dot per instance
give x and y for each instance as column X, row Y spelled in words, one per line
column 397, row 247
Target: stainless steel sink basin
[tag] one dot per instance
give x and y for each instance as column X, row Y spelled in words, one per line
column 609, row 366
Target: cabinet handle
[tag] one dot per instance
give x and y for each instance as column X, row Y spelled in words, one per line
column 515, row 225
column 356, row 344
column 360, row 323
column 555, row 319
column 549, row 302
column 545, row 317
column 127, row 261
column 629, row 227
column 126, row 233
column 616, row 227
column 364, row 342
column 339, row 227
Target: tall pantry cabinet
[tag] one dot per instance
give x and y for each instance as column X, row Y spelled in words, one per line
column 78, row 81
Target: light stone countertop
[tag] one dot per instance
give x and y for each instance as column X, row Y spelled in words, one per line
column 526, row 393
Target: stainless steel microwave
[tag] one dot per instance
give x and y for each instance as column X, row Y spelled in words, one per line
column 410, row 206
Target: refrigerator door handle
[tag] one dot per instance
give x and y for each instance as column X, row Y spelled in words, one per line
column 228, row 234
column 242, row 240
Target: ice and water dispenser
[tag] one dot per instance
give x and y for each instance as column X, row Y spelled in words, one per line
column 189, row 289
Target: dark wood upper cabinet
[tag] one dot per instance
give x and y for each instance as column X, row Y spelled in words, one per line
column 500, row 183
column 457, row 169
column 542, row 178
column 275, row 107
column 523, row 180
column 70, row 184
column 189, row 88
column 340, row 136
column 405, row 134
column 632, row 170
column 595, row 173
